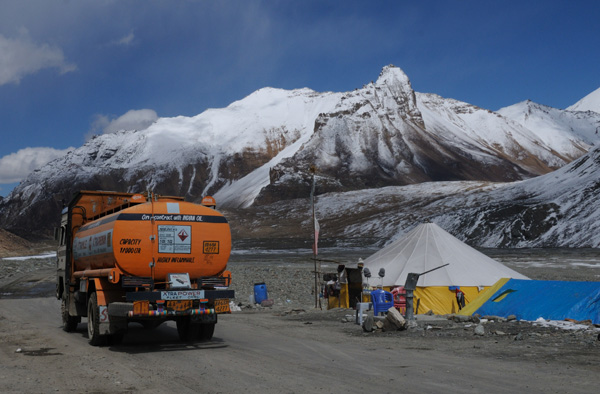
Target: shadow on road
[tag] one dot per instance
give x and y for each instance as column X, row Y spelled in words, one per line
column 164, row 338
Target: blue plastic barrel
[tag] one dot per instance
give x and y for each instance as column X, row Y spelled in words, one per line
column 260, row 292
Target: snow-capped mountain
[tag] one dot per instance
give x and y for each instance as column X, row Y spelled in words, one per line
column 259, row 150
column 563, row 130
column 386, row 134
column 186, row 156
column 591, row 102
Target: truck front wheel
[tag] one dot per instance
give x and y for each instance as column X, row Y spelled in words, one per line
column 94, row 336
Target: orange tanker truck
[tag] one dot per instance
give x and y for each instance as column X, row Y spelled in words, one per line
column 143, row 258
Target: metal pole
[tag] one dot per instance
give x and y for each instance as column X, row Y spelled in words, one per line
column 409, row 306
column 312, row 201
column 433, row 269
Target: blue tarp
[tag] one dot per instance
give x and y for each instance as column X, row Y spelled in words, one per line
column 552, row 300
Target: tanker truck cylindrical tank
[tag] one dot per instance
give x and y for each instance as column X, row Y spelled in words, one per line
column 154, row 239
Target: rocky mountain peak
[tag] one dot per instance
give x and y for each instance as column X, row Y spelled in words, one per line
column 392, row 75
column 394, row 91
column 392, row 78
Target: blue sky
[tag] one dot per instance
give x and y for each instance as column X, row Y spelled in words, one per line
column 71, row 69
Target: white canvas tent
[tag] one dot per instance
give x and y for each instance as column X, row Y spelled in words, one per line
column 426, row 247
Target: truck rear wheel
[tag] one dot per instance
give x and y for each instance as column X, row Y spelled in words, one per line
column 69, row 323
column 206, row 331
column 187, row 330
column 94, row 336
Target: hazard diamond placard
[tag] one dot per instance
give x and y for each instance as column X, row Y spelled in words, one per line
column 175, row 239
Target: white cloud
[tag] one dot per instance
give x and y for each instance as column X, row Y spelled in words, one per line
column 125, row 40
column 21, row 56
column 16, row 166
column 135, row 119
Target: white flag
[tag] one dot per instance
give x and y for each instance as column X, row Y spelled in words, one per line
column 317, row 228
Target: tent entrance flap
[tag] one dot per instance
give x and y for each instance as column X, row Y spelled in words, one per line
column 350, row 289
column 355, row 286
column 441, row 300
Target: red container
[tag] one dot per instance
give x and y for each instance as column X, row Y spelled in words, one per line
column 399, row 299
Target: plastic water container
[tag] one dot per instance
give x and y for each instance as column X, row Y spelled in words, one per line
column 260, row 292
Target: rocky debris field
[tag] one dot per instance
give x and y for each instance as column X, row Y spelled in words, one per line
column 12, row 245
column 20, row 278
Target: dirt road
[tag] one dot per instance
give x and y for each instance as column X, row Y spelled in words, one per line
column 266, row 353
column 275, row 351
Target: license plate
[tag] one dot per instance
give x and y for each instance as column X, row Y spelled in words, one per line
column 182, row 295
column 222, row 306
column 179, row 306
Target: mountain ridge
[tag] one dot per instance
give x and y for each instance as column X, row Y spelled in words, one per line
column 559, row 209
column 259, row 150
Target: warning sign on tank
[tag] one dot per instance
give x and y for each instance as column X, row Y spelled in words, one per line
column 174, row 239
column 211, row 247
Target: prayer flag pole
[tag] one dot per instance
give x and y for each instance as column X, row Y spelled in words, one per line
column 315, row 247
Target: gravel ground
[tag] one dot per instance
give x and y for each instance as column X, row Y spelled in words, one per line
column 289, row 274
column 289, row 278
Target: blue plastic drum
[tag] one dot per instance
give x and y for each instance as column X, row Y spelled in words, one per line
column 260, row 292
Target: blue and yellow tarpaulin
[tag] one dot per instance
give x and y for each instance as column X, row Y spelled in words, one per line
column 532, row 299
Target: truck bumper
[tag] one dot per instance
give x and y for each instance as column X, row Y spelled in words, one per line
column 154, row 296
column 170, row 304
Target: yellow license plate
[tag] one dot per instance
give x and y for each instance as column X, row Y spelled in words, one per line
column 179, row 305
column 222, row 306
